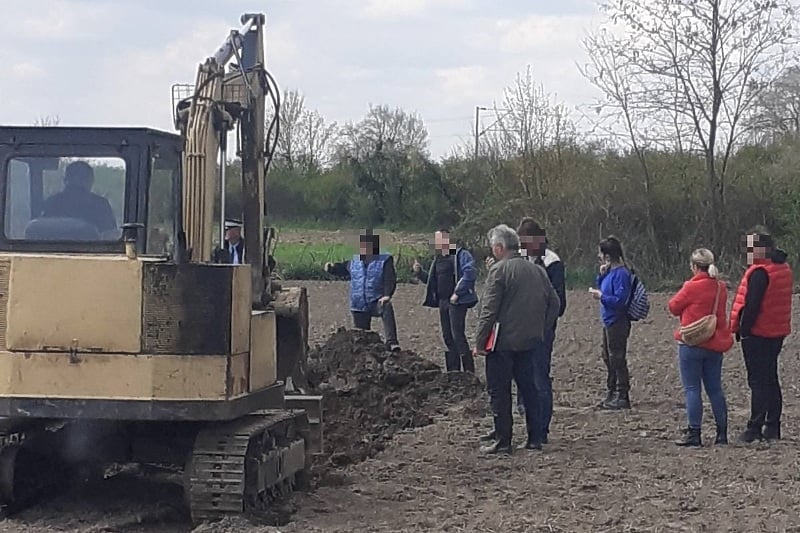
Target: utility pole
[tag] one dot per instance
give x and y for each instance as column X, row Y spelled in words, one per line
column 491, row 127
column 477, row 126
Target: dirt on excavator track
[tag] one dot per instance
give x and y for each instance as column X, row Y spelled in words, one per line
column 403, row 451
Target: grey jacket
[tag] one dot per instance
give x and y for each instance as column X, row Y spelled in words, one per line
column 518, row 294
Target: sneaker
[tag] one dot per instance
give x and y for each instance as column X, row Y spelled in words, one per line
column 530, row 445
column 497, row 448
column 393, row 346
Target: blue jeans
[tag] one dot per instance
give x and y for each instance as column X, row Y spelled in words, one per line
column 700, row 365
column 501, row 368
column 543, row 382
column 544, row 386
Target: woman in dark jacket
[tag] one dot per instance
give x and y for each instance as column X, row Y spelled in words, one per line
column 450, row 287
column 702, row 363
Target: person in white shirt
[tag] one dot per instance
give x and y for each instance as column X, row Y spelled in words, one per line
column 234, row 244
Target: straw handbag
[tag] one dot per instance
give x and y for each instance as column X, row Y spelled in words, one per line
column 703, row 329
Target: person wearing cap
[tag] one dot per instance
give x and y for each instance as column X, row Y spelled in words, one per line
column 78, row 201
column 234, row 245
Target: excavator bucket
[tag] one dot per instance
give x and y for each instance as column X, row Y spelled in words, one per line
column 291, row 310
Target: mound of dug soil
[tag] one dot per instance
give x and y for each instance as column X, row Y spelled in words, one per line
column 369, row 394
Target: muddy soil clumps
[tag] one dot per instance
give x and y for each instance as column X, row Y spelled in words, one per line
column 370, row 394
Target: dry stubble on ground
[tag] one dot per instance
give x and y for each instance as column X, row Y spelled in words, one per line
column 602, row 471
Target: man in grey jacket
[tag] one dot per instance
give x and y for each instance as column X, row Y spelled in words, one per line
column 520, row 304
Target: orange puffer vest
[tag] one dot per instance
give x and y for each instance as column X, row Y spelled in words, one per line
column 775, row 317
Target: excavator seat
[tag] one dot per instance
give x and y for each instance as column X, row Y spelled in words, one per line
column 60, row 229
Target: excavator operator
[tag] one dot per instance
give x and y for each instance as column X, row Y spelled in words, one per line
column 78, row 201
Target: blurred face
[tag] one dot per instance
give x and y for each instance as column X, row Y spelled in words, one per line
column 364, row 247
column 233, row 234
column 755, row 251
column 534, row 245
column 441, row 241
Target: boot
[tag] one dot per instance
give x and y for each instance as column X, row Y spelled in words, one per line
column 691, row 438
column 772, row 431
column 619, row 400
column 452, row 362
column 468, row 363
column 530, row 445
column 608, row 398
column 498, row 448
column 751, row 434
column 722, row 435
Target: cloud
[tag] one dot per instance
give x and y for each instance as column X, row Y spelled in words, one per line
column 463, row 86
column 541, row 32
column 58, row 20
column 26, row 71
column 398, row 9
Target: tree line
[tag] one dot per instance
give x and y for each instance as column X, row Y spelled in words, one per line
column 694, row 139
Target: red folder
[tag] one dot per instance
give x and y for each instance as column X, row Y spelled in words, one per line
column 491, row 342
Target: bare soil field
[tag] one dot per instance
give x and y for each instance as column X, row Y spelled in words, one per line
column 602, row 471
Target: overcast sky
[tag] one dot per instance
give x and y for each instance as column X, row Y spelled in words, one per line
column 113, row 62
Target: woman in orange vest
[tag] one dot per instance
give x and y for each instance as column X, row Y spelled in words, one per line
column 700, row 361
column 761, row 318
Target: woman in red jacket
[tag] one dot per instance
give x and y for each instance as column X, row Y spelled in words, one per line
column 703, row 362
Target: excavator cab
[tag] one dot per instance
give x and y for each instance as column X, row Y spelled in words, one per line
column 121, row 339
column 71, row 190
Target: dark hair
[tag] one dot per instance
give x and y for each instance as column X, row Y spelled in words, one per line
column 80, row 170
column 529, row 228
column 443, row 229
column 611, row 247
column 764, row 236
column 373, row 239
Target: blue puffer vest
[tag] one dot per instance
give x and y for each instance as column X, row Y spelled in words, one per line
column 366, row 284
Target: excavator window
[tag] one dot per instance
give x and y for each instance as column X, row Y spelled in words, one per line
column 65, row 199
column 161, row 208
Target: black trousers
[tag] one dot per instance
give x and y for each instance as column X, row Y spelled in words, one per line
column 452, row 319
column 615, row 355
column 766, row 400
column 501, row 368
column 363, row 320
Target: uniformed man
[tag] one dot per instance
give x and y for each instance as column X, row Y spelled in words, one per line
column 234, row 245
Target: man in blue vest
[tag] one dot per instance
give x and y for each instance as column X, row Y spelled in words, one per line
column 372, row 284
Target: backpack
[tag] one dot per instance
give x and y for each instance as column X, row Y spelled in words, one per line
column 638, row 304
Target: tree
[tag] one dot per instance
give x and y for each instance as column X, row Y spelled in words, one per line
column 776, row 112
column 45, row 121
column 388, row 154
column 305, row 141
column 695, row 63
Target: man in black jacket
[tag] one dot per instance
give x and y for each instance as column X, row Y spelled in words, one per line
column 534, row 243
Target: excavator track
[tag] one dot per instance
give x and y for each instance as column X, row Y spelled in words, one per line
column 28, row 473
column 246, row 464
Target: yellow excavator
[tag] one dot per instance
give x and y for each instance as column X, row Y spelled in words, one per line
column 125, row 335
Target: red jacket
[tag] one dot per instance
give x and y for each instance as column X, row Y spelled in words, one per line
column 775, row 316
column 695, row 300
